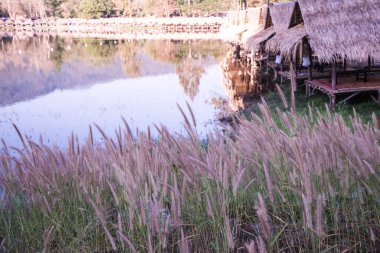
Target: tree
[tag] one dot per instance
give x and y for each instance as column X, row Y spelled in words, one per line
column 70, row 8
column 161, row 8
column 54, row 7
column 95, row 8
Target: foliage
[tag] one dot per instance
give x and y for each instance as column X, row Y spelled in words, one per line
column 54, row 7
column 99, row 8
column 95, row 8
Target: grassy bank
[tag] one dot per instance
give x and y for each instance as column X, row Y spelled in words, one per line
column 310, row 186
column 362, row 104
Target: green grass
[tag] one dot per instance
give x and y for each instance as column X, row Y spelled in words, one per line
column 362, row 104
column 311, row 185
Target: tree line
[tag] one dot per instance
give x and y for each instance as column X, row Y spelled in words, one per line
column 117, row 8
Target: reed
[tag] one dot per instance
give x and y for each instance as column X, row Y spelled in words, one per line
column 310, row 185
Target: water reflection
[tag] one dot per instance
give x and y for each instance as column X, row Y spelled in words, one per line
column 51, row 86
column 34, row 66
column 242, row 78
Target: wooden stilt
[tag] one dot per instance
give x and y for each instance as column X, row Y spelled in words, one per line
column 345, row 63
column 311, row 64
column 369, row 62
column 293, row 82
column 333, row 75
column 332, row 101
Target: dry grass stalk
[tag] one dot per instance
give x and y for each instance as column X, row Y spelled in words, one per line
column 262, row 214
column 144, row 195
column 282, row 96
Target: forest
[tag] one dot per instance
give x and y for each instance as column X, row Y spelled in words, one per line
column 119, row 8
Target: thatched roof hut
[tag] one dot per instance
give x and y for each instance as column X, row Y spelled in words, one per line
column 253, row 39
column 278, row 19
column 253, row 43
column 345, row 28
column 290, row 33
column 257, row 17
column 281, row 15
column 287, row 42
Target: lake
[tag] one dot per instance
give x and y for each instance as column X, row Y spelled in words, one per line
column 51, row 87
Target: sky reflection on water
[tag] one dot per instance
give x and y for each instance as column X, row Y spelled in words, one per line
column 53, row 87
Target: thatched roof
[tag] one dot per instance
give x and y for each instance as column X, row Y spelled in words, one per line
column 281, row 15
column 286, row 42
column 250, row 32
column 348, row 28
column 253, row 42
column 276, row 19
column 256, row 35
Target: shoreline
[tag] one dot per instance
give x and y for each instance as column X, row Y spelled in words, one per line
column 145, row 35
column 119, row 28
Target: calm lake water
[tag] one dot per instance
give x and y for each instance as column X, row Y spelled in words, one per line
column 52, row 87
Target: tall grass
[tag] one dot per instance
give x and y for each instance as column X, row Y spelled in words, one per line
column 311, row 184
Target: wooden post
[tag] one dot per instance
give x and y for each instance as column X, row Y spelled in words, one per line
column 332, row 101
column 345, row 63
column 311, row 63
column 293, row 82
column 307, row 89
column 369, row 62
column 267, row 71
column 296, row 66
column 333, row 75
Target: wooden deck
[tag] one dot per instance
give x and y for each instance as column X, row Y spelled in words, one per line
column 304, row 75
column 344, row 85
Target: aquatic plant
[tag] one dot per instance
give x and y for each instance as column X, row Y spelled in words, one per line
column 301, row 183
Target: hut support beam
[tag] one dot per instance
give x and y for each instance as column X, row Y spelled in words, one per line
column 348, row 98
column 310, row 68
column 332, row 101
column 376, row 100
column 293, row 83
column 333, row 76
column 369, row 62
column 345, row 64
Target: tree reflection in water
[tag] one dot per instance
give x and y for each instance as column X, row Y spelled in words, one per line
column 241, row 78
column 129, row 57
column 35, row 65
column 190, row 72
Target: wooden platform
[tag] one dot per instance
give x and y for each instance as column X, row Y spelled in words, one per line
column 344, row 85
column 304, row 75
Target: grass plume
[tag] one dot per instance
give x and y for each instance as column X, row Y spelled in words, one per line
column 301, row 183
